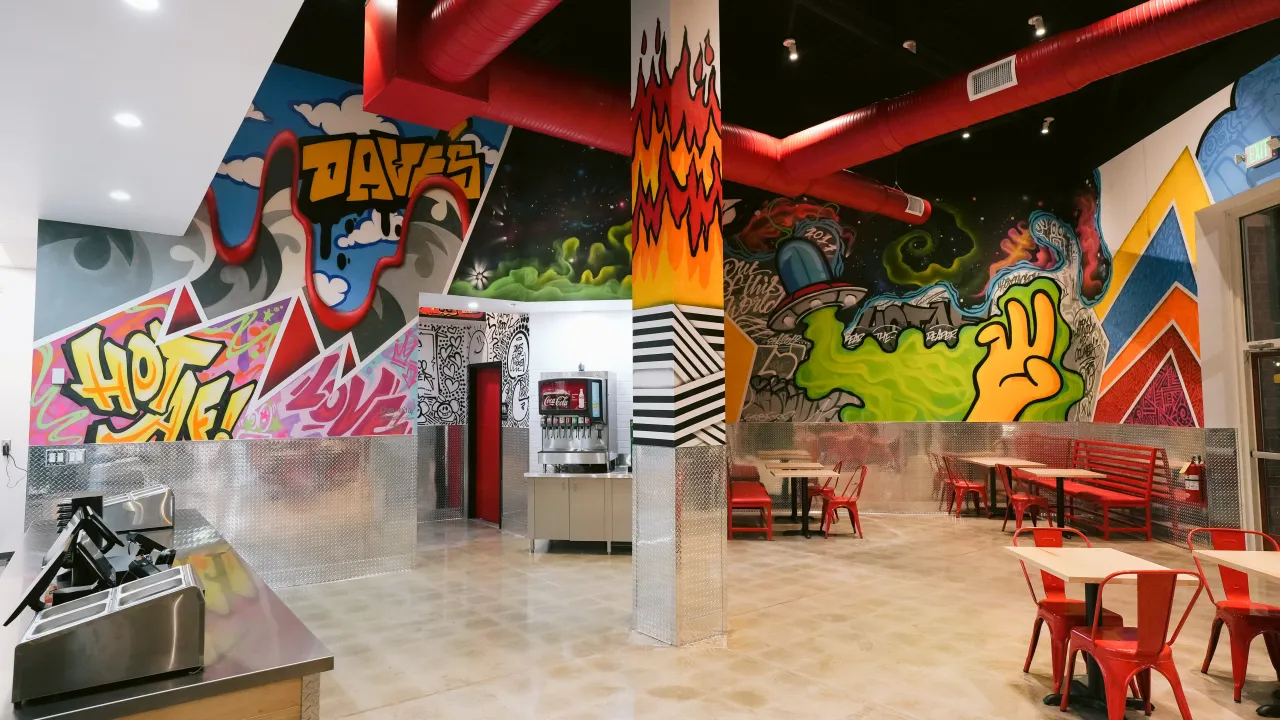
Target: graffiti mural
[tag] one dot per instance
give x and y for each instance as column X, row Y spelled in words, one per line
column 329, row 400
column 289, row 306
column 980, row 314
column 446, row 350
column 127, row 379
column 556, row 225
column 508, row 340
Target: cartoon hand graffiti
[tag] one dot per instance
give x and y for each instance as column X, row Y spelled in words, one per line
column 1017, row 370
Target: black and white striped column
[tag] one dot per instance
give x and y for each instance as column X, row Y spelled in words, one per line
column 678, row 368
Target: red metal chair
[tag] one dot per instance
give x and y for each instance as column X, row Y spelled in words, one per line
column 846, row 496
column 1125, row 652
column 1245, row 619
column 1058, row 611
column 1020, row 503
column 827, row 488
column 961, row 487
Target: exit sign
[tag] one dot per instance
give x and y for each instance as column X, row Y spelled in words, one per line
column 1263, row 151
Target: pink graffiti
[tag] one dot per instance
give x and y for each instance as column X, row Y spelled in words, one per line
column 349, row 409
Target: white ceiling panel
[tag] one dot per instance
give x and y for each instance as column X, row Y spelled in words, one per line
column 188, row 69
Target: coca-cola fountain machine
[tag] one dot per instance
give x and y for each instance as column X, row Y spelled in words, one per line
column 577, row 421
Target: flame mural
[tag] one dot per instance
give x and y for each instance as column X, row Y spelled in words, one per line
column 676, row 189
column 677, row 262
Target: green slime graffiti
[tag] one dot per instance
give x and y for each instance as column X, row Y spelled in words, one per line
column 915, row 382
column 605, row 276
column 920, row 243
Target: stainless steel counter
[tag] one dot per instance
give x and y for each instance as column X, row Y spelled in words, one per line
column 587, row 476
column 251, row 636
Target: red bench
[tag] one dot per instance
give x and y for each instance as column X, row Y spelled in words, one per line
column 750, row 495
column 1129, row 472
column 744, row 471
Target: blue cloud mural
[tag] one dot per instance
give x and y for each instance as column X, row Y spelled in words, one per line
column 1255, row 114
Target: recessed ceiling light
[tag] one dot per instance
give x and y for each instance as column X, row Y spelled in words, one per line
column 144, row 4
column 119, row 195
column 965, row 134
column 126, row 119
column 472, row 305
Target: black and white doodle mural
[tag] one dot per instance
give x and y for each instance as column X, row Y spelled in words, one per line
column 445, row 350
column 508, row 336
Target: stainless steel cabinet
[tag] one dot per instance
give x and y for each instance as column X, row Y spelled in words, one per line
column 620, row 500
column 588, row 505
column 594, row 507
column 550, row 496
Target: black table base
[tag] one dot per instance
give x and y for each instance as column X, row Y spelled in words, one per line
column 797, row 503
column 1083, row 699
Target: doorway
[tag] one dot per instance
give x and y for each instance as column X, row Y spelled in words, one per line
column 1260, row 240
column 484, row 424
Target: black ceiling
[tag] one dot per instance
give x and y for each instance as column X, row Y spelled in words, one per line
column 851, row 55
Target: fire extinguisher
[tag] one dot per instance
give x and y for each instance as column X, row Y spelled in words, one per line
column 1193, row 480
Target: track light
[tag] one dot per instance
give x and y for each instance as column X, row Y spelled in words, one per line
column 1038, row 23
column 910, row 45
column 965, row 135
column 790, row 44
column 1044, row 128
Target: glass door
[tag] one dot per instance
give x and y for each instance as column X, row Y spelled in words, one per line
column 1260, row 238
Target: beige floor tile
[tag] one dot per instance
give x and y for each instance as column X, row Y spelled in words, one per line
column 925, row 618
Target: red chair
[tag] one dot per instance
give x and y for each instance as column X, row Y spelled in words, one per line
column 1059, row 612
column 846, row 496
column 749, row 495
column 1020, row 503
column 1125, row 652
column 960, row 487
column 1245, row 619
column 827, row 488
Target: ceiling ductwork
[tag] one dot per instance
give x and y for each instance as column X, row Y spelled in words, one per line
column 525, row 94
column 471, row 33
column 1052, row 68
column 461, row 37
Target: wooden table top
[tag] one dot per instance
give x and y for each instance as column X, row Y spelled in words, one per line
column 993, row 461
column 799, row 464
column 781, row 454
column 1259, row 562
column 802, row 473
column 1052, row 473
column 1085, row 564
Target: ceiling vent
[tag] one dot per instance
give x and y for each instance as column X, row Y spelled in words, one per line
column 993, row 78
column 915, row 205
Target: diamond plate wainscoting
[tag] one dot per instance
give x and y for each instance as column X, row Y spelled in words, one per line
column 701, row 531
column 442, row 472
column 653, row 544
column 300, row 511
column 678, row 532
column 902, row 478
column 515, row 494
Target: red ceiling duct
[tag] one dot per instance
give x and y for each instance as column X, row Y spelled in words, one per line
column 552, row 102
column 1049, row 69
column 463, row 36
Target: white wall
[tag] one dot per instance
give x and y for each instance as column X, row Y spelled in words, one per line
column 17, row 314
column 600, row 340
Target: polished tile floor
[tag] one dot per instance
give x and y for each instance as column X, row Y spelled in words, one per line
column 926, row 618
